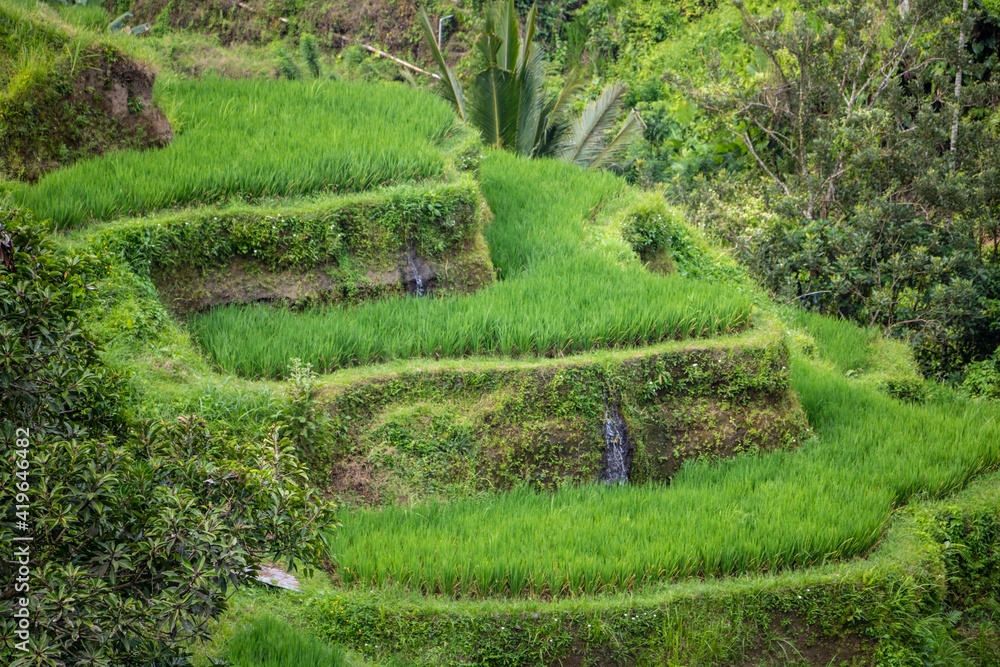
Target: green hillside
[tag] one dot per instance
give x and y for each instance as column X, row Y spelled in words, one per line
column 730, row 400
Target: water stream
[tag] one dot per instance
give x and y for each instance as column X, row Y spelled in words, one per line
column 415, row 270
column 618, row 449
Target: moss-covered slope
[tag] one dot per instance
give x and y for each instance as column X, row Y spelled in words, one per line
column 482, row 425
column 67, row 93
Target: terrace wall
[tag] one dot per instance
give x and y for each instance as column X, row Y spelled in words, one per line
column 500, row 425
column 331, row 249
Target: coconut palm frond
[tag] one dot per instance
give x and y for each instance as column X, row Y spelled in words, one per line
column 585, row 140
column 509, row 105
column 574, row 83
column 532, row 101
column 630, row 129
column 451, row 89
column 527, row 46
column 489, row 46
column 501, row 20
column 494, row 108
column 551, row 124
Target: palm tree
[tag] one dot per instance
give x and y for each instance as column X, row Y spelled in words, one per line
column 509, row 104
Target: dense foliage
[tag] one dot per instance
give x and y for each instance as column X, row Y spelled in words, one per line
column 51, row 377
column 136, row 532
column 871, row 188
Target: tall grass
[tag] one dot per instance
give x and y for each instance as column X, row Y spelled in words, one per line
column 270, row 642
column 830, row 499
column 558, row 295
column 256, row 139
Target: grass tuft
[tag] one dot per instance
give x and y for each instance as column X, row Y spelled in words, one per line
column 270, row 642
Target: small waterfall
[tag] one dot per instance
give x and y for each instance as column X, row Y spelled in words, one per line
column 618, row 449
column 415, row 271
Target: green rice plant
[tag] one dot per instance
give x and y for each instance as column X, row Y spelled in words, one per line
column 249, row 139
column 841, row 342
column 828, row 500
column 556, row 295
column 863, row 353
column 270, row 642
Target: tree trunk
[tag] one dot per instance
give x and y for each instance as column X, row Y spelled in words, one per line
column 958, row 78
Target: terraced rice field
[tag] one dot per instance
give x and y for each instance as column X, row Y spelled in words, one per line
column 251, row 139
column 556, row 294
column 830, row 499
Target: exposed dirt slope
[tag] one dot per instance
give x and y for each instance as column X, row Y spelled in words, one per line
column 68, row 97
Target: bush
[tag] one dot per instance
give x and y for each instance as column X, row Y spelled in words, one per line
column 908, row 278
column 307, row 426
column 651, row 227
column 48, row 369
column 139, row 541
column 646, row 229
column 982, row 378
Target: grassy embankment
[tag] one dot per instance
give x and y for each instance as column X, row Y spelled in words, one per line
column 926, row 595
column 829, row 499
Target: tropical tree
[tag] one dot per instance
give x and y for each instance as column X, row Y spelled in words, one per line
column 877, row 208
column 509, row 104
column 138, row 531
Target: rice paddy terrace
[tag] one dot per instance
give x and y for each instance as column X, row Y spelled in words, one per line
column 492, row 351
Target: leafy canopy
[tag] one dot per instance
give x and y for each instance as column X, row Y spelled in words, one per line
column 864, row 125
